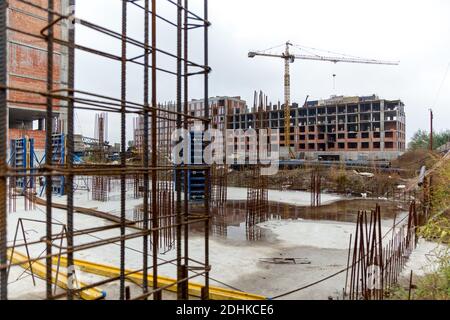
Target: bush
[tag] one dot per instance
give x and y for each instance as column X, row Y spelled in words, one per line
column 438, row 228
column 433, row 286
column 421, row 140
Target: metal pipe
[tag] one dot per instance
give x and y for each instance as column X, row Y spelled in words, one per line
column 123, row 148
column 206, row 25
column 70, row 150
column 146, row 149
column 348, row 264
column 155, row 214
column 185, row 183
column 49, row 147
column 178, row 176
column 431, row 130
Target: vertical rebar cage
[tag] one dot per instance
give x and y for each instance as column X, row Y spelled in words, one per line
column 159, row 216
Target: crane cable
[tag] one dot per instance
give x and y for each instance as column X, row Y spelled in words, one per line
column 325, row 51
column 441, row 86
column 271, row 48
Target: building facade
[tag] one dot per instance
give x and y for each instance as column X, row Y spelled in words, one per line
column 27, row 68
column 339, row 128
column 220, row 108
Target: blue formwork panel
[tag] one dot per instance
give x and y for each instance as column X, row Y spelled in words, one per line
column 58, row 157
column 196, row 179
column 22, row 157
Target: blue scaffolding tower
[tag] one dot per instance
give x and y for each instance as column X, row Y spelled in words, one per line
column 196, row 179
column 22, row 155
column 58, row 158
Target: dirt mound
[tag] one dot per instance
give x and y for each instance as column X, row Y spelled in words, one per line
column 412, row 161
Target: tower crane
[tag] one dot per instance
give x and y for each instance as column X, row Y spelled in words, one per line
column 290, row 58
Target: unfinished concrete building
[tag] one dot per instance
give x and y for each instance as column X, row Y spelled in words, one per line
column 339, row 128
column 221, row 107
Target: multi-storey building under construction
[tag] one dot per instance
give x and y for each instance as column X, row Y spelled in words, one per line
column 339, row 128
column 220, row 108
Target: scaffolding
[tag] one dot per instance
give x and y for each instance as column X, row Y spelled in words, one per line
column 100, row 184
column 257, row 203
column 316, row 187
column 156, row 174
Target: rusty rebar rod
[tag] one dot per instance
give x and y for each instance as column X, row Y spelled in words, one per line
column 3, row 150
column 163, row 207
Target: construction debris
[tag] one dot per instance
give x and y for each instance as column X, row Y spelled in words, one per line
column 285, row 260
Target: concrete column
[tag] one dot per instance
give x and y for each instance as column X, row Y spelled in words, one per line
column 359, row 134
column 64, row 65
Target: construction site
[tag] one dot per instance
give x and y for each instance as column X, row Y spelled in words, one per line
column 198, row 197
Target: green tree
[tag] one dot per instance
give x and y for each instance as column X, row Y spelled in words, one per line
column 421, row 139
column 441, row 138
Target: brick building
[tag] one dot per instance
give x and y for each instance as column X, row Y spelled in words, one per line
column 220, row 109
column 27, row 68
column 339, row 128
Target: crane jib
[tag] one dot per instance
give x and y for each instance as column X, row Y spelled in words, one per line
column 290, row 58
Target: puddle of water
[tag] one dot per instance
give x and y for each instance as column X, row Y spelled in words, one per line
column 229, row 221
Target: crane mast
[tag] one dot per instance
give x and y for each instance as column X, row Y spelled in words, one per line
column 290, row 58
column 287, row 99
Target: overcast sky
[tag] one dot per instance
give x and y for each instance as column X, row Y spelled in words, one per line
column 417, row 33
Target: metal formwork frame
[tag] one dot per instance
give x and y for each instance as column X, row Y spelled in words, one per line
column 186, row 20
